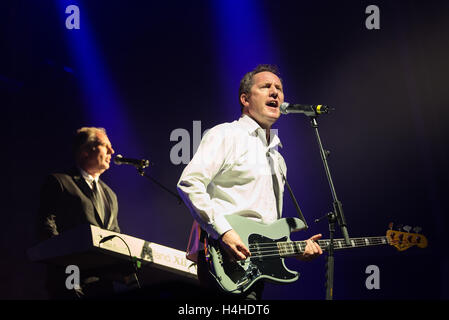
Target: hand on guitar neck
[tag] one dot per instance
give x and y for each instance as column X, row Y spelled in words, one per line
column 231, row 242
column 312, row 249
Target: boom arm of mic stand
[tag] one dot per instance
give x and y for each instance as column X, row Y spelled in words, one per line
column 143, row 174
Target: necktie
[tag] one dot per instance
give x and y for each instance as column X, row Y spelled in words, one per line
column 98, row 201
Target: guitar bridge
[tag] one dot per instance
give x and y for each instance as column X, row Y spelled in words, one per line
column 251, row 273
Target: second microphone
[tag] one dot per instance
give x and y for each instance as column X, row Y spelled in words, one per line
column 138, row 163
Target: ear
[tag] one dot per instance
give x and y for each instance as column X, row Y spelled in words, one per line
column 244, row 99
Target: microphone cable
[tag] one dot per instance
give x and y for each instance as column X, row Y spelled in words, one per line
column 133, row 262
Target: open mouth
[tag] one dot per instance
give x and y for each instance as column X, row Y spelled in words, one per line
column 272, row 104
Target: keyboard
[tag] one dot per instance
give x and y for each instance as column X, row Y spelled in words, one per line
column 92, row 248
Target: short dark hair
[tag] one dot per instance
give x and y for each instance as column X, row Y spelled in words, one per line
column 247, row 81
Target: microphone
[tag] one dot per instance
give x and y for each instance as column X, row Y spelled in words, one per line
column 308, row 110
column 138, row 163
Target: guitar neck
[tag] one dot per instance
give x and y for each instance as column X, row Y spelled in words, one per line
column 294, row 248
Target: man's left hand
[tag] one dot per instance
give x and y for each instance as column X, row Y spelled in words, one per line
column 312, row 249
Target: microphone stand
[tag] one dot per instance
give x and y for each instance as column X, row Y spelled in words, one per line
column 141, row 171
column 336, row 215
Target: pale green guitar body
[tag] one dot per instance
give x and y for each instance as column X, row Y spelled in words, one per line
column 261, row 239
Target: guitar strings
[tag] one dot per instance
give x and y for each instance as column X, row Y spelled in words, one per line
column 356, row 240
column 339, row 242
column 281, row 248
column 326, row 240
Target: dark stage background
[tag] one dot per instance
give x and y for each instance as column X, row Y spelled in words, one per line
column 143, row 69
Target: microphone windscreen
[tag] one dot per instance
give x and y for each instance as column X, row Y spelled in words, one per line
column 117, row 159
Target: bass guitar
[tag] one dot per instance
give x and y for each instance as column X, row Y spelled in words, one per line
column 269, row 244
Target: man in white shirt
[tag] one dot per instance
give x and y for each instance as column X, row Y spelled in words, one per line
column 238, row 170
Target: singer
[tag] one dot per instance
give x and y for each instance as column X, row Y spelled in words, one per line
column 78, row 196
column 237, row 170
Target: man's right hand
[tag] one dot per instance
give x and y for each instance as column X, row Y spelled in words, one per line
column 234, row 246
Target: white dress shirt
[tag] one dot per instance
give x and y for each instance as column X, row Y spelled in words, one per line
column 234, row 171
column 88, row 178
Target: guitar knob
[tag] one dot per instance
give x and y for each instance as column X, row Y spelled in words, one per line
column 407, row 228
column 417, row 229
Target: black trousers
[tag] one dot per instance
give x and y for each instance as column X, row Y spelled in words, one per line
column 213, row 290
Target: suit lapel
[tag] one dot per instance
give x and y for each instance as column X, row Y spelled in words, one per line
column 87, row 191
column 82, row 184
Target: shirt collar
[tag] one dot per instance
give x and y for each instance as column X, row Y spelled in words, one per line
column 88, row 177
column 248, row 123
column 251, row 126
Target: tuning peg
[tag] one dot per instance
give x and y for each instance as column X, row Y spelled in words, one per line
column 390, row 226
column 417, row 229
column 407, row 228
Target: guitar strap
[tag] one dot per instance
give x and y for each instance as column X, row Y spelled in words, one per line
column 298, row 209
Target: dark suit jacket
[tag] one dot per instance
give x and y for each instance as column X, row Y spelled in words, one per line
column 66, row 202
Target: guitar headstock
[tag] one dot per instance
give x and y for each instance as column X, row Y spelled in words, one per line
column 403, row 240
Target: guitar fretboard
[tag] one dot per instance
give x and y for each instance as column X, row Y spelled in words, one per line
column 292, row 248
